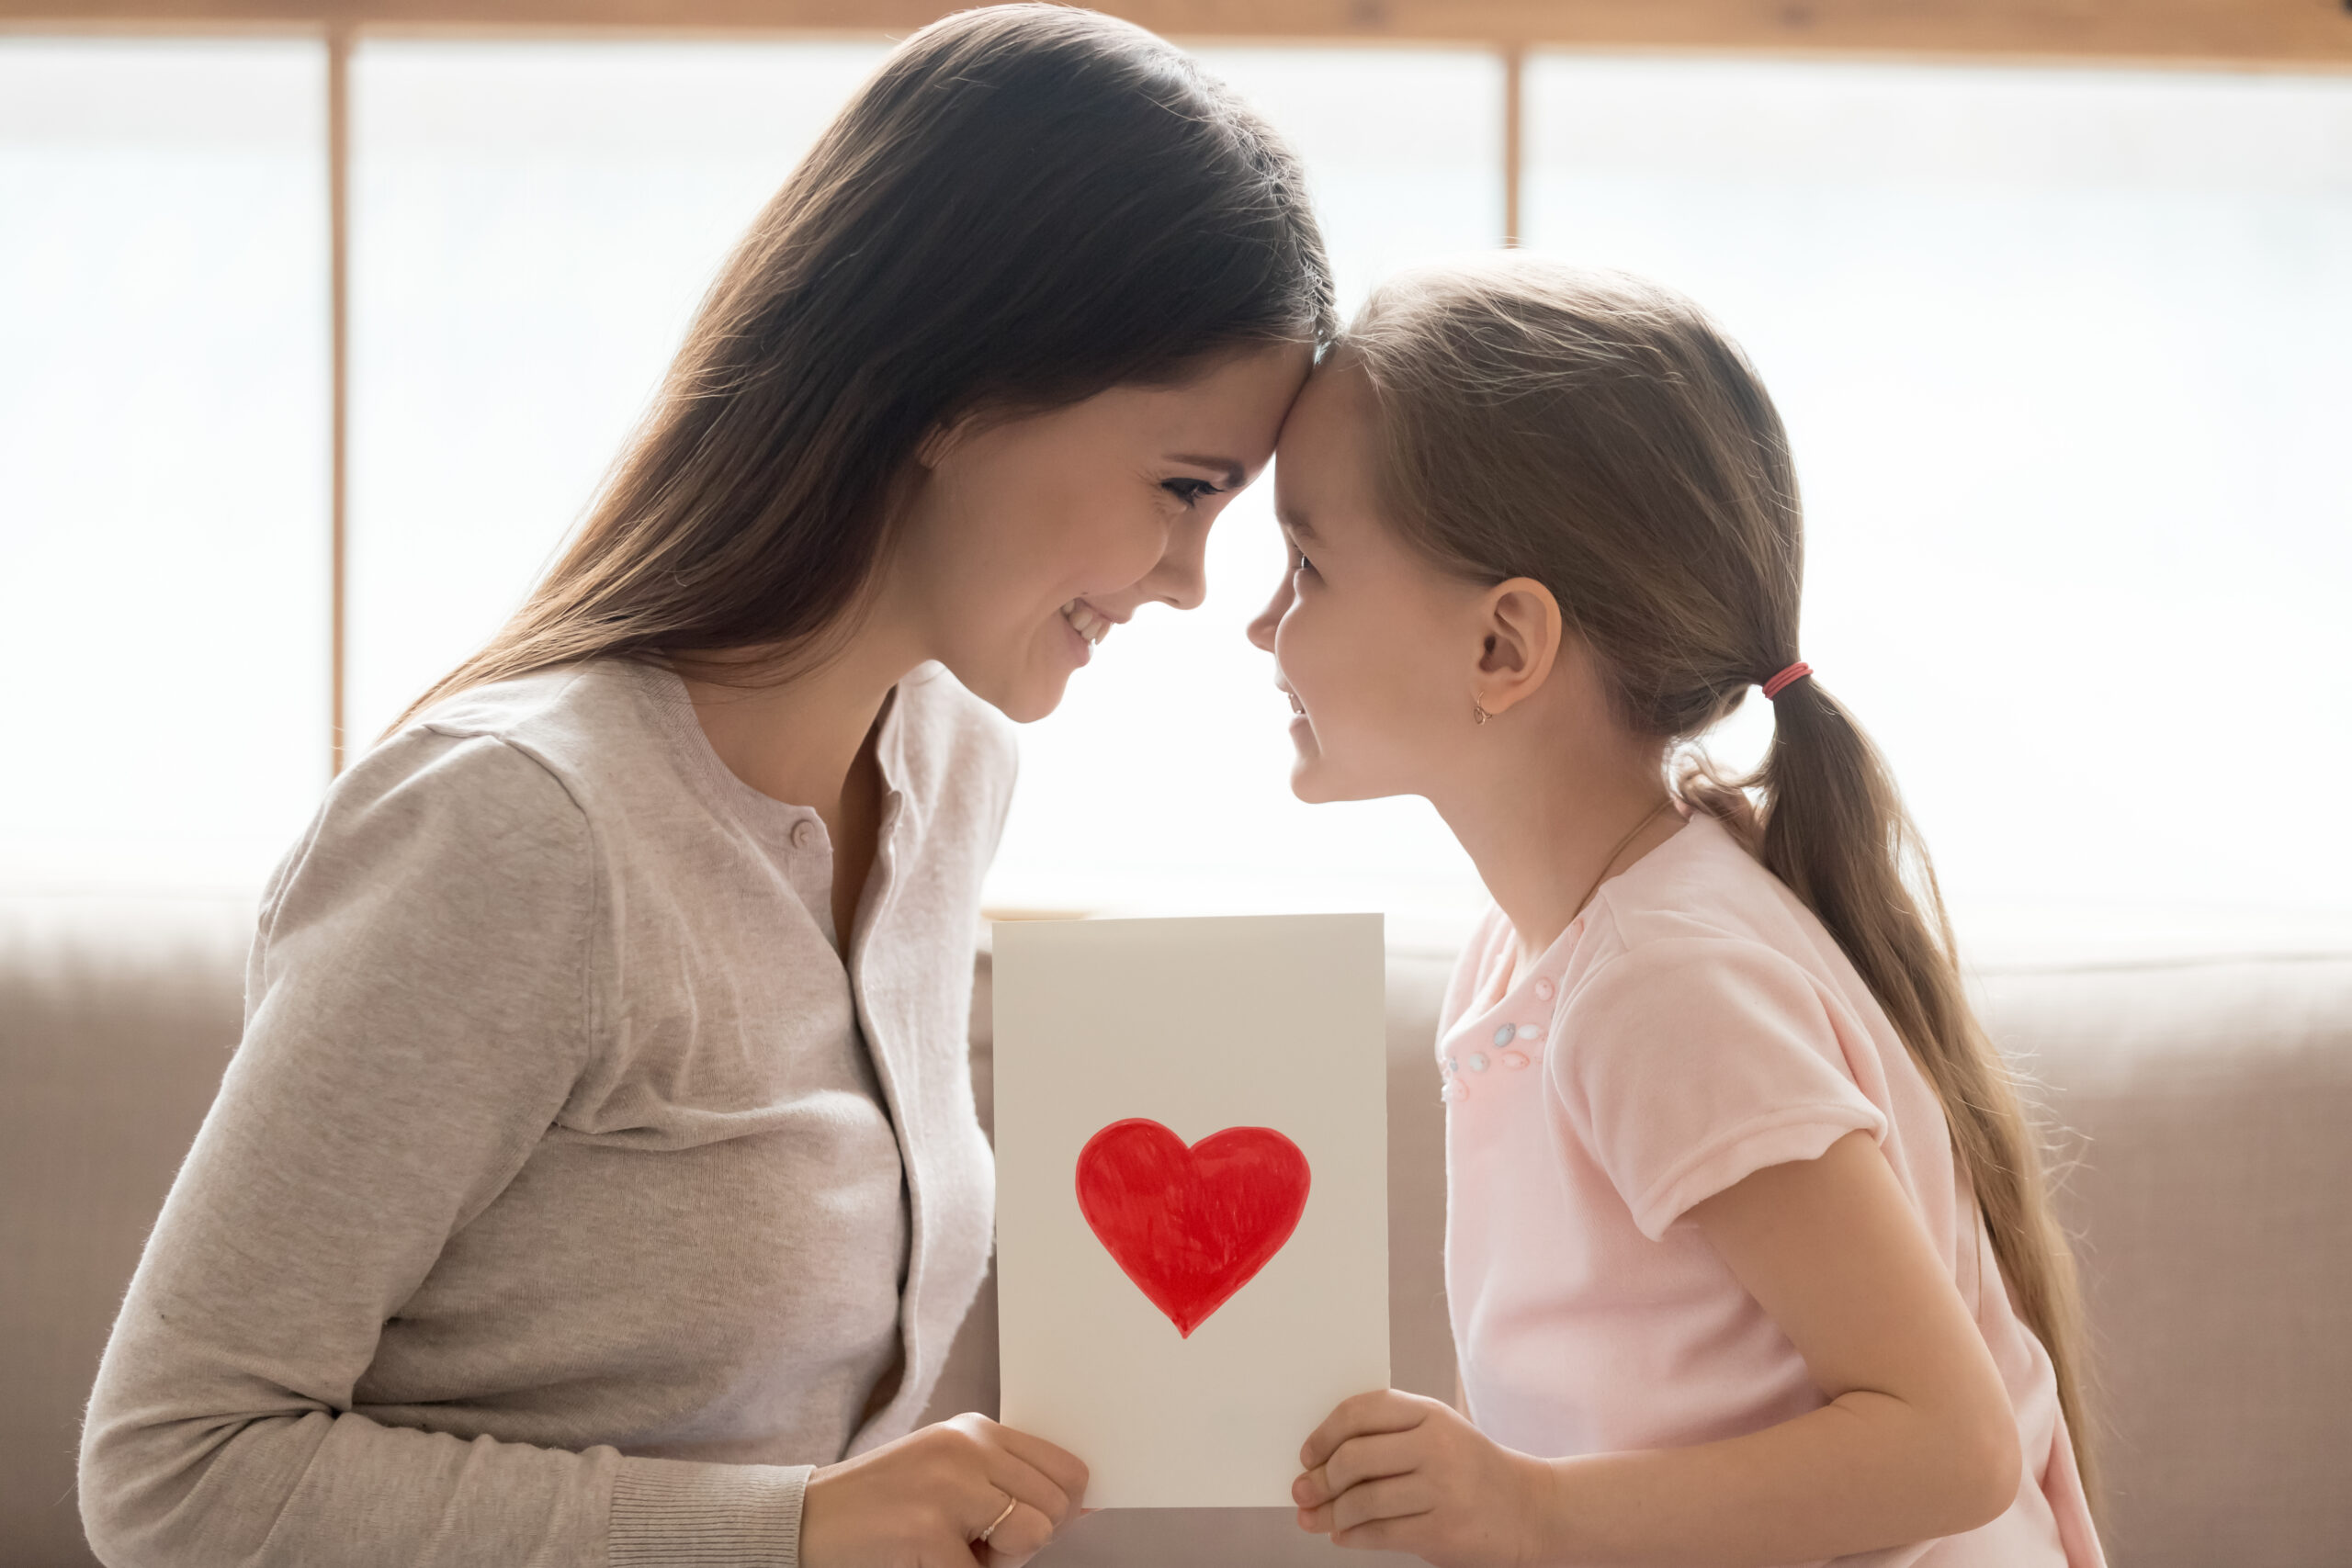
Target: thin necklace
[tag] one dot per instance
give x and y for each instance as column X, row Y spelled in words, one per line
column 1509, row 976
column 1649, row 818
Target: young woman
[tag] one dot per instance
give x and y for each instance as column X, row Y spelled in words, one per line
column 1747, row 1252
column 598, row 1181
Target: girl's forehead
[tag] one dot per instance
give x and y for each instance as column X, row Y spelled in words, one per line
column 1323, row 467
column 1331, row 415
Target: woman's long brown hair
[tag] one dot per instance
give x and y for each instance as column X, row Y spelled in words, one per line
column 1599, row 434
column 1025, row 205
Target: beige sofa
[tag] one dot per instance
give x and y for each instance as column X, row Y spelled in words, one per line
column 2208, row 1103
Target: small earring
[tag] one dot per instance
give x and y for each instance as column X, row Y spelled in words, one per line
column 1478, row 708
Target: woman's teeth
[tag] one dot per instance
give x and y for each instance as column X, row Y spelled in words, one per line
column 1296, row 706
column 1085, row 622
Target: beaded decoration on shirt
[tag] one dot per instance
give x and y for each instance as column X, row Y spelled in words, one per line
column 1513, row 1046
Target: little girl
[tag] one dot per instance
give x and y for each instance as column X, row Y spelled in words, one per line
column 1747, row 1248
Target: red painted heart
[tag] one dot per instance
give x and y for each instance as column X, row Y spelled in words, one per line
column 1190, row 1226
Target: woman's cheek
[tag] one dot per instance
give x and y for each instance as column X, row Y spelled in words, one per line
column 1118, row 545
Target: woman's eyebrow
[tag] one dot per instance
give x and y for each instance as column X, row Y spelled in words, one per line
column 1232, row 471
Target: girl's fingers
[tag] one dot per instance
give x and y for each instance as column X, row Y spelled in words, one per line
column 1383, row 1410
column 1398, row 1497
column 1065, row 1469
column 1381, row 1534
column 1359, row 1459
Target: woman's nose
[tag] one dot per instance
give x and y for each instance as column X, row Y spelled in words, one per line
column 1182, row 578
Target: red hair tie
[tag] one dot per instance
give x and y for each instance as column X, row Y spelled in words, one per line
column 1785, row 678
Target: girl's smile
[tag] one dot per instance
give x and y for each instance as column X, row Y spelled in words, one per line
column 1376, row 652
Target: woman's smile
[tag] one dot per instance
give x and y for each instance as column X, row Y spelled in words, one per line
column 1087, row 626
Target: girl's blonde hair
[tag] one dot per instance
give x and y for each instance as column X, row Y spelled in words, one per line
column 1599, row 434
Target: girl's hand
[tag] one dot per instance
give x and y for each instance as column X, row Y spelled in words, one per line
column 923, row 1501
column 1402, row 1473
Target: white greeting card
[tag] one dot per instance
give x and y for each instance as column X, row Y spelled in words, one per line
column 1192, row 1194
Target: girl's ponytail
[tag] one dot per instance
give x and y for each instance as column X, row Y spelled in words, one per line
column 1833, row 828
column 1599, row 434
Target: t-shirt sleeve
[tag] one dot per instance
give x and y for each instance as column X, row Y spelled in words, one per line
column 1689, row 1063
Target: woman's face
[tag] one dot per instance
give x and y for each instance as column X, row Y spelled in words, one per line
column 1377, row 650
column 1029, row 538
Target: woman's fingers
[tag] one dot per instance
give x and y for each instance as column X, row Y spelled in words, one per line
column 1026, row 1485
column 1383, row 1410
column 1021, row 1536
column 1065, row 1469
column 928, row 1497
column 1005, row 1471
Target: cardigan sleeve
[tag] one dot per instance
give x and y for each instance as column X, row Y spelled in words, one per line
column 419, row 1006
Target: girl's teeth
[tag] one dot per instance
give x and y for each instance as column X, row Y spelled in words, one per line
column 1087, row 624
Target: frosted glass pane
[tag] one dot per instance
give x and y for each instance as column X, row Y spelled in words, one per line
column 1403, row 148
column 534, row 226
column 2063, row 354
column 1163, row 781
column 162, row 456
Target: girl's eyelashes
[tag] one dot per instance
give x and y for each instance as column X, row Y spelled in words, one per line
column 1190, row 491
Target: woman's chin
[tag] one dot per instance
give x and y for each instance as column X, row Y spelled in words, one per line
column 1023, row 695
column 1033, row 700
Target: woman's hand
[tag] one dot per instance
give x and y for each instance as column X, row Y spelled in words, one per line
column 1398, row 1472
column 923, row 1501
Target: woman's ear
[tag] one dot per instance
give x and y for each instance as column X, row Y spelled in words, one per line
column 1521, row 629
column 940, row 440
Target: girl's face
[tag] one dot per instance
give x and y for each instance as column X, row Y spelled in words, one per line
column 1377, row 650
column 1029, row 538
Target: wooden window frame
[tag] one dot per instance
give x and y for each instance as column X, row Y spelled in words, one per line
column 2274, row 35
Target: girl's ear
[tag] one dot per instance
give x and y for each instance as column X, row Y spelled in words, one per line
column 1520, row 627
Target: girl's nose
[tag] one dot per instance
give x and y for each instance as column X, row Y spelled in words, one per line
column 1261, row 629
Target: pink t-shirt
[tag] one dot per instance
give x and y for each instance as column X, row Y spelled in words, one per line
column 1697, row 1023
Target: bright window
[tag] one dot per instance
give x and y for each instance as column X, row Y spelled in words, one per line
column 2063, row 354
column 534, row 225
column 164, row 497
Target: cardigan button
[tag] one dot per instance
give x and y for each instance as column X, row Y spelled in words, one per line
column 804, row 834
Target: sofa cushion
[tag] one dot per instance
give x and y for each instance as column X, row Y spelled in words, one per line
column 116, row 1018
column 2201, row 1110
column 2202, row 1105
